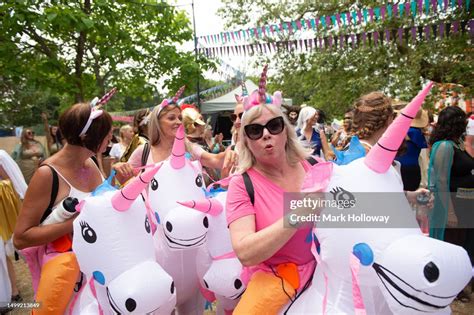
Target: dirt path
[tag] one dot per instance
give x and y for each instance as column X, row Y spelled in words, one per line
column 24, row 285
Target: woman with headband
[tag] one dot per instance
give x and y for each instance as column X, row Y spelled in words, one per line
column 69, row 173
column 164, row 121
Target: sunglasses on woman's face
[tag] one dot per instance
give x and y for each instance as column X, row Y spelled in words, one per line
column 233, row 117
column 30, row 133
column 274, row 127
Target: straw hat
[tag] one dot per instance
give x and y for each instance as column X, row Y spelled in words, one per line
column 421, row 119
column 192, row 115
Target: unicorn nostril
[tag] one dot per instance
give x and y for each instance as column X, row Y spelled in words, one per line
column 169, row 226
column 205, row 283
column 205, row 222
column 431, row 272
column 172, row 287
column 237, row 284
column 130, row 305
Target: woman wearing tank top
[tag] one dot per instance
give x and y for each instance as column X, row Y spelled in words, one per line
column 87, row 132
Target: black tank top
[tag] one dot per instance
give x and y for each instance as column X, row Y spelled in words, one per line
column 462, row 170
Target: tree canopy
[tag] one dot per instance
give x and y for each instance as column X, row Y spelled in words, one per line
column 333, row 79
column 74, row 50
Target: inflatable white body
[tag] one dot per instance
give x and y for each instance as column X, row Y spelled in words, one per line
column 218, row 267
column 114, row 247
column 391, row 270
column 181, row 231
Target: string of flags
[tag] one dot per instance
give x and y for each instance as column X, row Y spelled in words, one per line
column 363, row 38
column 408, row 9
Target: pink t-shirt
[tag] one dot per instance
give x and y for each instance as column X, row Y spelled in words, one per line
column 135, row 159
column 267, row 209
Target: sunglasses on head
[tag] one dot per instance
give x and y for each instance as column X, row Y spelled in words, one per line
column 233, row 117
column 274, row 127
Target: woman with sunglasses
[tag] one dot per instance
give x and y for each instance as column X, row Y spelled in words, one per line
column 69, row 173
column 29, row 153
column 278, row 260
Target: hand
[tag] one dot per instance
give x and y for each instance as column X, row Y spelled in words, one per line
column 412, row 195
column 44, row 116
column 452, row 219
column 218, row 138
column 124, row 171
column 230, row 158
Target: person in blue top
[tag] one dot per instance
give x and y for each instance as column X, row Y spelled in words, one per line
column 415, row 141
column 305, row 129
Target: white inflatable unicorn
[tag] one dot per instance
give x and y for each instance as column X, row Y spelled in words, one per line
column 114, row 247
column 218, row 267
column 381, row 270
column 182, row 230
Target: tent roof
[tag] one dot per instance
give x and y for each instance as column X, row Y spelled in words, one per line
column 227, row 101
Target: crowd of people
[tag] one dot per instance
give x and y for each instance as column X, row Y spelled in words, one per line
column 273, row 147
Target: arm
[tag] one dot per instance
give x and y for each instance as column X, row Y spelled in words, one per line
column 219, row 160
column 47, row 132
column 3, row 174
column 327, row 152
column 27, row 232
column 253, row 247
column 335, row 137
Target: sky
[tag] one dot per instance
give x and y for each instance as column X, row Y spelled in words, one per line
column 208, row 22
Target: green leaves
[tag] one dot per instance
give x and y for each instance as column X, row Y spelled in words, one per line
column 78, row 49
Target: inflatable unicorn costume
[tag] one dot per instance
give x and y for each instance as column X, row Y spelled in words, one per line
column 382, row 270
column 114, row 247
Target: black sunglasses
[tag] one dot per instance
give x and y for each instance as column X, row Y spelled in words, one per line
column 233, row 117
column 274, row 127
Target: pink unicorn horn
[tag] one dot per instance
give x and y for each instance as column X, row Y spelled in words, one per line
column 178, row 94
column 262, row 86
column 382, row 154
column 123, row 199
column 179, row 150
column 209, row 206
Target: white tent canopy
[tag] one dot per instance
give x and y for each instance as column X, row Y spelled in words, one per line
column 227, row 102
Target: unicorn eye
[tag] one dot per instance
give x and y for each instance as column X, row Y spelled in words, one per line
column 199, row 180
column 88, row 234
column 147, row 225
column 154, row 184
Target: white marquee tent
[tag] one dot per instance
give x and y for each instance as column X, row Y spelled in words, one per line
column 227, row 102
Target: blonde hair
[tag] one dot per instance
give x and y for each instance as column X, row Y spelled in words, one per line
column 154, row 129
column 123, row 129
column 295, row 152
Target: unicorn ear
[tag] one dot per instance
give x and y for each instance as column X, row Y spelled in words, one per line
column 277, row 99
column 246, row 102
column 238, row 98
column 164, row 103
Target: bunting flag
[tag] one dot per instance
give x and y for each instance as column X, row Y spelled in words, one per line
column 344, row 41
column 411, row 8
